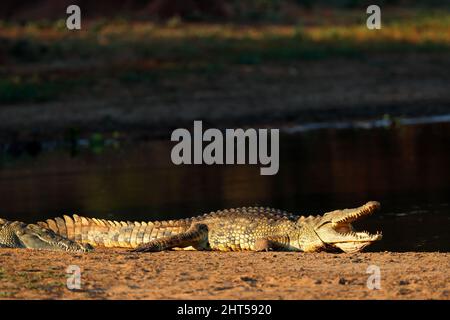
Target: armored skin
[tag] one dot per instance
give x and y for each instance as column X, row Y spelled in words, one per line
column 20, row 235
column 246, row 228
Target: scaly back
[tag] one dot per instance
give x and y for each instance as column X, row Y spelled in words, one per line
column 107, row 233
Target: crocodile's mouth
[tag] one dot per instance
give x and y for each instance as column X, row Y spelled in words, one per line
column 336, row 228
column 349, row 240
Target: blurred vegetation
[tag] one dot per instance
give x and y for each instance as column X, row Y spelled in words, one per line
column 12, row 92
column 41, row 59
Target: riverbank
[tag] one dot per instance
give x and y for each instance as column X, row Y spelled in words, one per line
column 117, row 274
column 304, row 91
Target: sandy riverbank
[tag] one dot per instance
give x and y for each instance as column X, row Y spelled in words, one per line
column 116, row 274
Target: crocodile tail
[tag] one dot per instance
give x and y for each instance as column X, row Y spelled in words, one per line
column 112, row 234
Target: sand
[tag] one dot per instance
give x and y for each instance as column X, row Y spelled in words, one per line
column 118, row 274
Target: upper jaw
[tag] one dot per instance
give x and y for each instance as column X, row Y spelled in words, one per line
column 350, row 215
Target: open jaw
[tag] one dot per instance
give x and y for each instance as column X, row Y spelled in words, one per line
column 356, row 241
column 337, row 231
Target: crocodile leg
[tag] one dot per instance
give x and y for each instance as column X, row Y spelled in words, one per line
column 271, row 243
column 196, row 236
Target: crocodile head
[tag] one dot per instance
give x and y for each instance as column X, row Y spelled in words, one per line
column 336, row 231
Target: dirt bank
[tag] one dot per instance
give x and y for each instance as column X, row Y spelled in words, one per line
column 116, row 274
column 298, row 92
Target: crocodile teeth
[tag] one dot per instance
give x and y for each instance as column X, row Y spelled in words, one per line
column 366, row 209
column 361, row 234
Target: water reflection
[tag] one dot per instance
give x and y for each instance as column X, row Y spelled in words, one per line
column 405, row 168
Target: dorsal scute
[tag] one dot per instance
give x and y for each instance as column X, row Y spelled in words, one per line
column 265, row 212
column 309, row 219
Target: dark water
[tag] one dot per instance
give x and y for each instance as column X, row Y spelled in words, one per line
column 406, row 168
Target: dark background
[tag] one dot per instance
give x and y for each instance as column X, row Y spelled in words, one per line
column 86, row 116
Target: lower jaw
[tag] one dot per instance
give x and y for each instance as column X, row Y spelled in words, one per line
column 352, row 248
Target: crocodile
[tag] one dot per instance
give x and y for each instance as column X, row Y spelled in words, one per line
column 240, row 229
column 16, row 234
